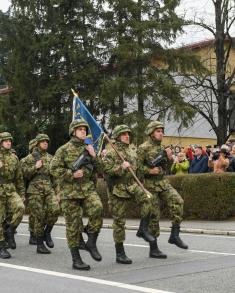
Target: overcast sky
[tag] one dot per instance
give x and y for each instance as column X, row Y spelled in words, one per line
column 191, row 8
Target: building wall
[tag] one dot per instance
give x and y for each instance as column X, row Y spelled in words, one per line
column 186, row 141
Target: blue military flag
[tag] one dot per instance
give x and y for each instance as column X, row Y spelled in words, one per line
column 80, row 111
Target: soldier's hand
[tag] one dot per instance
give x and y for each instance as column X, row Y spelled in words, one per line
column 78, row 174
column 39, row 164
column 125, row 165
column 154, row 171
column 103, row 153
column 91, row 150
column 1, row 164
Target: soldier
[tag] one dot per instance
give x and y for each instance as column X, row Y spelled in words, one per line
column 32, row 238
column 155, row 180
column 12, row 193
column 42, row 201
column 78, row 193
column 124, row 189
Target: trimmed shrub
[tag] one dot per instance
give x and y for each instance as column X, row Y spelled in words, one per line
column 206, row 196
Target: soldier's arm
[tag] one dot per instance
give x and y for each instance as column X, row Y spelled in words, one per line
column 28, row 168
column 19, row 181
column 58, row 168
column 142, row 167
column 110, row 165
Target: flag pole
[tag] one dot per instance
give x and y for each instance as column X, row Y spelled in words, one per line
column 119, row 155
column 129, row 168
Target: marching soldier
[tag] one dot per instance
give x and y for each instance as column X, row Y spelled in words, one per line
column 12, row 193
column 124, row 189
column 155, row 181
column 32, row 238
column 78, row 193
column 42, row 201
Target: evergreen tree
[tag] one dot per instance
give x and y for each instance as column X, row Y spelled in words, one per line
column 137, row 33
column 53, row 48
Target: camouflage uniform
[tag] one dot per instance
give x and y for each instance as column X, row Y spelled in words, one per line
column 12, row 191
column 78, row 195
column 158, row 184
column 8, row 217
column 32, row 239
column 123, row 189
column 42, row 201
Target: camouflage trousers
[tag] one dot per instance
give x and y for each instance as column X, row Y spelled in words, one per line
column 73, row 211
column 173, row 201
column 31, row 218
column 119, row 209
column 12, row 207
column 31, row 224
column 44, row 210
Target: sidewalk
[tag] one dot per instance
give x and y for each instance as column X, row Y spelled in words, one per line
column 226, row 227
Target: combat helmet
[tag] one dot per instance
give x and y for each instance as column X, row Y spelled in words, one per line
column 119, row 129
column 41, row 137
column 75, row 124
column 5, row 136
column 32, row 144
column 152, row 126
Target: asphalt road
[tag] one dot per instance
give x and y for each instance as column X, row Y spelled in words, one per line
column 208, row 266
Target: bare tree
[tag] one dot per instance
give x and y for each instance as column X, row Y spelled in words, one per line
column 211, row 93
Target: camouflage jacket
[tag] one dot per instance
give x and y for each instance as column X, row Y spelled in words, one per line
column 119, row 179
column 61, row 169
column 11, row 178
column 38, row 180
column 148, row 151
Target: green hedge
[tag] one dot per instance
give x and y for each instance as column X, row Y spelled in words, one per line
column 206, row 196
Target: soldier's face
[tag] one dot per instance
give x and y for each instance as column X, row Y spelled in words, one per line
column 43, row 145
column 158, row 134
column 125, row 137
column 80, row 132
column 6, row 144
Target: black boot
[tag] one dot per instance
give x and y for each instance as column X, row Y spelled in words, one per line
column 91, row 246
column 78, row 264
column 32, row 239
column 47, row 236
column 10, row 238
column 155, row 252
column 3, row 251
column 41, row 248
column 174, row 237
column 82, row 244
column 143, row 231
column 121, row 255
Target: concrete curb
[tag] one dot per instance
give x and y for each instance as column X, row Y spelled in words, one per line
column 166, row 229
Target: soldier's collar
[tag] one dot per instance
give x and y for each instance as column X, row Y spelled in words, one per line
column 77, row 141
column 121, row 144
column 5, row 151
column 37, row 149
column 154, row 141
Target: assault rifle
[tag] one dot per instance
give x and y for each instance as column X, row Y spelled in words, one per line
column 159, row 161
column 83, row 160
column 36, row 155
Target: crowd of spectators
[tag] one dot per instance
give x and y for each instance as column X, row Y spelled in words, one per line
column 197, row 159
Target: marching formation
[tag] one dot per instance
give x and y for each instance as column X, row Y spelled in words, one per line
column 67, row 182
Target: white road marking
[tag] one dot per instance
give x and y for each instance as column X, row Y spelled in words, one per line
column 147, row 246
column 85, row 279
column 190, row 250
column 212, row 252
column 196, row 235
